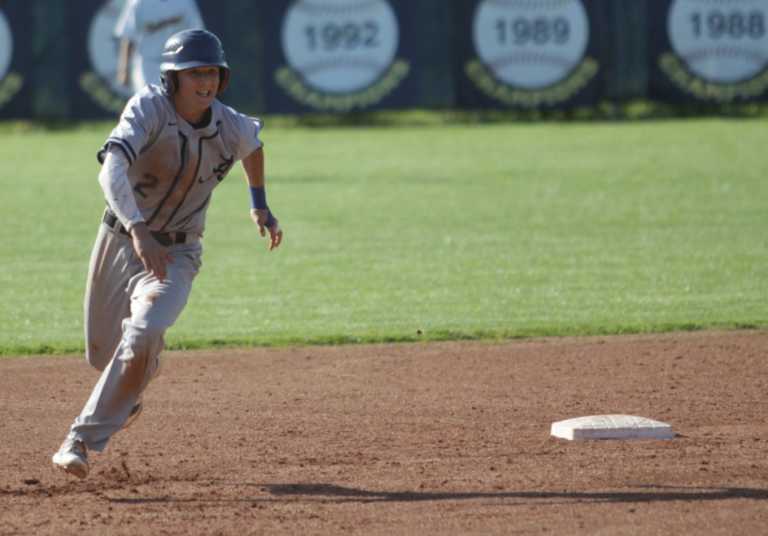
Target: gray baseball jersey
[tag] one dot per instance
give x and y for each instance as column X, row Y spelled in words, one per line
column 174, row 166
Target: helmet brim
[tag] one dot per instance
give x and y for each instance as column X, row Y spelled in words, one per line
column 171, row 66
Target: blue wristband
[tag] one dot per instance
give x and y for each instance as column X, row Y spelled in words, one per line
column 258, row 197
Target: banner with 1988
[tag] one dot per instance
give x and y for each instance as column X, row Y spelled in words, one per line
column 709, row 50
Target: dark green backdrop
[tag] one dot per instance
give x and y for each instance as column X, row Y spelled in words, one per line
column 51, row 75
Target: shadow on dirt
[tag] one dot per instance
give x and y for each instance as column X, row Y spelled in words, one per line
column 331, row 493
column 653, row 494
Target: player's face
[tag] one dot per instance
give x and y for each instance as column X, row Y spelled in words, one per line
column 198, row 86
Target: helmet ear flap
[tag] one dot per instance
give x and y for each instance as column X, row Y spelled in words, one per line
column 170, row 82
column 223, row 79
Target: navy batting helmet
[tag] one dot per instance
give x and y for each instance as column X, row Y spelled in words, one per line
column 188, row 49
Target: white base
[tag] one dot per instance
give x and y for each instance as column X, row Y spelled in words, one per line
column 612, row 427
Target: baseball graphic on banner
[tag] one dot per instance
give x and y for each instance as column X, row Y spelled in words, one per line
column 102, row 45
column 11, row 82
column 6, row 46
column 722, row 41
column 340, row 46
column 531, row 44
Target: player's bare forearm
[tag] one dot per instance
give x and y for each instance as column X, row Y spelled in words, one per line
column 123, row 60
column 253, row 164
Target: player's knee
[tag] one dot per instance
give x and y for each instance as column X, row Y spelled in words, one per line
column 95, row 359
column 143, row 343
column 98, row 357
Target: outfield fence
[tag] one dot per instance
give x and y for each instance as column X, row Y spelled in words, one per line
column 58, row 58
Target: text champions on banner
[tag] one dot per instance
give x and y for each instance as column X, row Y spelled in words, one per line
column 10, row 82
column 341, row 54
column 531, row 52
column 719, row 49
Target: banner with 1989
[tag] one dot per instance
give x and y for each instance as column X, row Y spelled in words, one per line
column 529, row 53
column 711, row 50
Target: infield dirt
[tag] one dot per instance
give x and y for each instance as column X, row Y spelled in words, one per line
column 443, row 438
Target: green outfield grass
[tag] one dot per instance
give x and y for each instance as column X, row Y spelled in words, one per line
column 424, row 233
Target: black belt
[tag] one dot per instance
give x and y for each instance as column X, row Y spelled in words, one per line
column 166, row 239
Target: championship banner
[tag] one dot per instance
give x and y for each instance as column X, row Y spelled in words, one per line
column 338, row 55
column 15, row 64
column 709, row 50
column 530, row 53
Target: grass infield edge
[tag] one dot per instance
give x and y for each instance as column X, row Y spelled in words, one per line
column 416, row 337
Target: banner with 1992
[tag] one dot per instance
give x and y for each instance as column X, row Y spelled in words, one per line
column 338, row 55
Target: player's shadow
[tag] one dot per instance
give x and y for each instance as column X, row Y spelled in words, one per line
column 332, row 493
column 643, row 493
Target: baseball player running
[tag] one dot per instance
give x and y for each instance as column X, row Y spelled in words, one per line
column 173, row 145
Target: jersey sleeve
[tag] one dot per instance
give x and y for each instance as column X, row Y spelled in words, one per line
column 138, row 123
column 247, row 132
column 118, row 193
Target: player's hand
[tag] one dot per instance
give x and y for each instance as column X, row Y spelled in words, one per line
column 154, row 256
column 267, row 222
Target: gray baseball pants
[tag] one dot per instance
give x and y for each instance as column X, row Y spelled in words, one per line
column 127, row 311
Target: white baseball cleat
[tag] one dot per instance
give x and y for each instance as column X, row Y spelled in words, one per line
column 72, row 457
